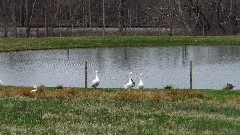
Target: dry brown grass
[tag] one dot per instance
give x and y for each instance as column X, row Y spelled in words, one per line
column 67, row 93
column 158, row 96
column 41, row 93
column 17, row 92
column 138, row 95
column 130, row 95
column 181, row 95
column 234, row 101
column 24, row 92
column 64, row 93
column 92, row 95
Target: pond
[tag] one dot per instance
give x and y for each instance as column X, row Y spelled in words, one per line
column 213, row 66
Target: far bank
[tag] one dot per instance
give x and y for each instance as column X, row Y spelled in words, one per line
column 21, row 44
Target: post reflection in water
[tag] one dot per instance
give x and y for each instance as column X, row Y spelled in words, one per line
column 213, row 66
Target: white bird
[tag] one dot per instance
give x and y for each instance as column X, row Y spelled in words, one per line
column 35, row 89
column 140, row 85
column 130, row 82
column 96, row 81
column 1, row 82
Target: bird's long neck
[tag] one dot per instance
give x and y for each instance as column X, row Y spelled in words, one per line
column 140, row 79
column 97, row 75
column 130, row 78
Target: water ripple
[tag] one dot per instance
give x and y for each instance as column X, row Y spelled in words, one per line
column 213, row 67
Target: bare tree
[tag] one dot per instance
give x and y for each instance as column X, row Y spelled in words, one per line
column 182, row 15
column 121, row 15
column 5, row 15
column 233, row 9
column 90, row 16
column 103, row 16
column 191, row 17
column 29, row 15
column 13, row 5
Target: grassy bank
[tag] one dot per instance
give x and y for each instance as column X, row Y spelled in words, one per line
column 16, row 44
column 117, row 111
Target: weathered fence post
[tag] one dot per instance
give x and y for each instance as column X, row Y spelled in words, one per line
column 191, row 80
column 85, row 74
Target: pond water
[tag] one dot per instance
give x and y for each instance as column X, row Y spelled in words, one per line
column 213, row 66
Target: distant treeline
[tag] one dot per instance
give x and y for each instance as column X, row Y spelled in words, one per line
column 27, row 18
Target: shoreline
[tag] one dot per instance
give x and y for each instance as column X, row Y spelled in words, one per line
column 22, row 44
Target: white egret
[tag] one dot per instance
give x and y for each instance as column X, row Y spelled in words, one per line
column 96, row 81
column 140, row 85
column 35, row 89
column 130, row 82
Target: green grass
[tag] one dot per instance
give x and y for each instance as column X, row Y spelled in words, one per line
column 17, row 44
column 118, row 111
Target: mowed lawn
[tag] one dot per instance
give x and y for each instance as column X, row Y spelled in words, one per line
column 118, row 111
column 21, row 44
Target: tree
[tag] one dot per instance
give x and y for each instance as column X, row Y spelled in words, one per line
column 103, row 16
column 5, row 16
column 121, row 15
column 29, row 11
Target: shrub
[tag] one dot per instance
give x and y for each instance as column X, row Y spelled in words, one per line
column 168, row 87
column 41, row 92
column 59, row 87
column 180, row 95
column 19, row 91
column 67, row 93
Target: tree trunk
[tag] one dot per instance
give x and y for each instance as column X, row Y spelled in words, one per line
column 90, row 17
column 129, row 22
column 71, row 17
column 45, row 19
column 27, row 18
column 30, row 19
column 183, row 19
column 232, row 17
column 171, row 18
column 121, row 7
column 5, row 19
column 103, row 16
column 14, row 19
column 54, row 20
column 37, row 32
column 220, row 20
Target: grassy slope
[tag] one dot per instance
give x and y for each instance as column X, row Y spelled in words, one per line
column 12, row 44
column 110, row 111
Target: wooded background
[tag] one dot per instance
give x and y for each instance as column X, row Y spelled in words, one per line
column 39, row 18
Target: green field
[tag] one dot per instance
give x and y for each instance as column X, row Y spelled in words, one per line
column 118, row 111
column 18, row 44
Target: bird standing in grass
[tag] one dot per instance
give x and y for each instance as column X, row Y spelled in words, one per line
column 35, row 89
column 133, row 83
column 140, row 85
column 1, row 82
column 229, row 86
column 130, row 83
column 96, row 81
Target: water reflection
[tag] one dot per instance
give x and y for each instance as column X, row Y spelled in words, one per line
column 213, row 67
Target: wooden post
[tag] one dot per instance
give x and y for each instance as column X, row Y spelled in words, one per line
column 85, row 74
column 191, row 68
